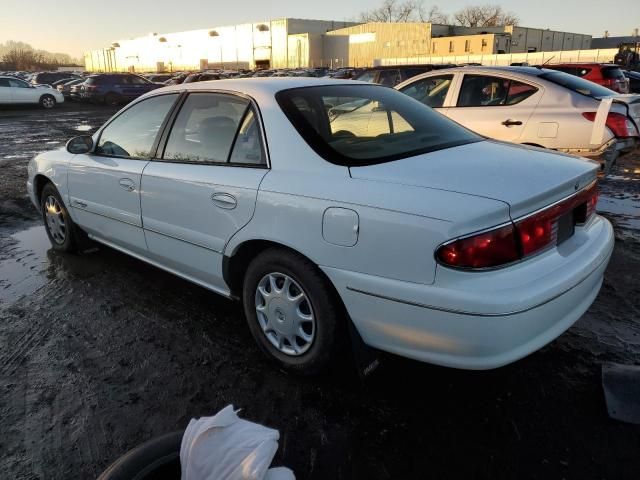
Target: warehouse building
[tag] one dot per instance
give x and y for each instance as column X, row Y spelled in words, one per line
column 296, row 43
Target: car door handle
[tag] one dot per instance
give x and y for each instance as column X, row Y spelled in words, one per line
column 224, row 200
column 128, row 184
column 508, row 123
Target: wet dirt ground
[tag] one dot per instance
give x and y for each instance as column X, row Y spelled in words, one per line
column 100, row 352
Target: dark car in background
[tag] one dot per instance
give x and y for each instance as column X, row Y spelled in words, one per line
column 159, row 78
column 48, row 78
column 606, row 74
column 201, row 77
column 116, row 88
column 65, row 87
column 390, row 76
column 634, row 81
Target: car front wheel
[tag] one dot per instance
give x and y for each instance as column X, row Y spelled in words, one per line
column 47, row 101
column 61, row 230
column 292, row 311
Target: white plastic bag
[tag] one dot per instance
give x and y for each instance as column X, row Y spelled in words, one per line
column 225, row 447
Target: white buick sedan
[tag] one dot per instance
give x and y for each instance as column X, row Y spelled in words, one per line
column 438, row 244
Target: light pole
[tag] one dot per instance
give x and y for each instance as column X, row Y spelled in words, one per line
column 216, row 35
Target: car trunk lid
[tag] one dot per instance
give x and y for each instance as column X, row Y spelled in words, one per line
column 526, row 178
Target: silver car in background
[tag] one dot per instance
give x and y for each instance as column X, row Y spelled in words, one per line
column 533, row 106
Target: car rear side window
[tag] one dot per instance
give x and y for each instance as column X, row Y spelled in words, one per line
column 612, row 73
column 207, row 127
column 132, row 133
column 487, row 91
column 576, row 84
column 4, row 82
column 356, row 125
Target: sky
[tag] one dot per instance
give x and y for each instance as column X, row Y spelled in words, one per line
column 76, row 27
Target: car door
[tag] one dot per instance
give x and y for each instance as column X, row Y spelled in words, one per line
column 494, row 106
column 104, row 186
column 6, row 95
column 203, row 187
column 22, row 92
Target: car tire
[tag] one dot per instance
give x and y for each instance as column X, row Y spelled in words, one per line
column 321, row 338
column 63, row 233
column 112, row 99
column 47, row 101
column 157, row 458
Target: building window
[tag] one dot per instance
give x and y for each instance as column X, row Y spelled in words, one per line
column 451, row 46
column 467, row 45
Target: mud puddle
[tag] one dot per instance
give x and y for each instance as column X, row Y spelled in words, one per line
column 24, row 265
column 625, row 209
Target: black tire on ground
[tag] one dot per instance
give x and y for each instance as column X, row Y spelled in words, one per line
column 157, row 459
column 112, row 99
column 47, row 101
column 330, row 322
column 72, row 235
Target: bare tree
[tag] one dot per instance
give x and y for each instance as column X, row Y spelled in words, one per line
column 22, row 56
column 404, row 11
column 433, row 15
column 485, row 16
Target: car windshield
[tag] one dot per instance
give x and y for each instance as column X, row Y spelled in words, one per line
column 577, row 84
column 357, row 125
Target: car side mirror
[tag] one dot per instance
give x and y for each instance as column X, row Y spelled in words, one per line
column 80, row 144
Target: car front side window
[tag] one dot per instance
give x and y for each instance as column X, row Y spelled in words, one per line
column 431, row 91
column 18, row 84
column 205, row 128
column 132, row 133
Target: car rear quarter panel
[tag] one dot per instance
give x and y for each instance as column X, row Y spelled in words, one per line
column 557, row 122
column 399, row 226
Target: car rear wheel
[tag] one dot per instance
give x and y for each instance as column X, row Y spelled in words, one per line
column 292, row 311
column 62, row 232
column 112, row 99
column 47, row 101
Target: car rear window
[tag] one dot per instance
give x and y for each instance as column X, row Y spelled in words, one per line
column 576, row 84
column 612, row 72
column 356, row 125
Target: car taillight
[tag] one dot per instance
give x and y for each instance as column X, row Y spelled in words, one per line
column 620, row 125
column 520, row 239
column 485, row 250
column 90, row 87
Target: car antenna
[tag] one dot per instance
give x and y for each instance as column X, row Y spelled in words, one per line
column 545, row 63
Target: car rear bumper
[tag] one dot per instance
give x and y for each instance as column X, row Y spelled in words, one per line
column 481, row 320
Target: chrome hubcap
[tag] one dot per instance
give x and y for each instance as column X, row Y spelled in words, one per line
column 285, row 314
column 55, row 220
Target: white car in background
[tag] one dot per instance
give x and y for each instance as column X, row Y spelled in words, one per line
column 438, row 244
column 533, row 106
column 16, row 91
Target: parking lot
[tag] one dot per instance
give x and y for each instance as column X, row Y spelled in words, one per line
column 100, row 352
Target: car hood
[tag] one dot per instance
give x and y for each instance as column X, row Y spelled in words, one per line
column 527, row 178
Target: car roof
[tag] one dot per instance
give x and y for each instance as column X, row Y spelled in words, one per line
column 261, row 85
column 488, row 69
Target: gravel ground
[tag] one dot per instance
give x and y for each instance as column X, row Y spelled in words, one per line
column 100, row 352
